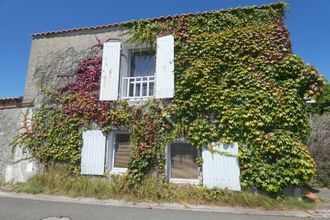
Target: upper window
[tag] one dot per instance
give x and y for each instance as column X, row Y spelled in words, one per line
column 143, row 64
column 141, row 80
column 134, row 74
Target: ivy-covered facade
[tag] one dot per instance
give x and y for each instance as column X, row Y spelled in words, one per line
column 236, row 80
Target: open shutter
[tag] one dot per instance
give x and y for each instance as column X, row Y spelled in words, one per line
column 124, row 70
column 110, row 71
column 220, row 170
column 165, row 67
column 93, row 153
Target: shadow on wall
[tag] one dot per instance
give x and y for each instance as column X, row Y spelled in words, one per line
column 56, row 70
column 22, row 169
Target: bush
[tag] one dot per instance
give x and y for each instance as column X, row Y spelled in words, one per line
column 319, row 147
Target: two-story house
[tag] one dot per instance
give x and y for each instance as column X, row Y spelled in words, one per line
column 235, row 52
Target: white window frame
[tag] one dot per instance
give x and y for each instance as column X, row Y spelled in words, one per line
column 112, row 149
column 168, row 166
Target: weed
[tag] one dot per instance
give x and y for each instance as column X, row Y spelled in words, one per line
column 59, row 181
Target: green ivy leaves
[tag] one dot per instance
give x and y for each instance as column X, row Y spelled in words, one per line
column 236, row 80
column 54, row 137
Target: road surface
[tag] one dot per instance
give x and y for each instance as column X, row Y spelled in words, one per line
column 30, row 209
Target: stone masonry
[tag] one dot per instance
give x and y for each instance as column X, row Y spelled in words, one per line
column 9, row 125
column 50, row 57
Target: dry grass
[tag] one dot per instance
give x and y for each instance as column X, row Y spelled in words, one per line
column 59, row 182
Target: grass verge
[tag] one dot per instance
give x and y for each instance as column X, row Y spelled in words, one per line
column 58, row 181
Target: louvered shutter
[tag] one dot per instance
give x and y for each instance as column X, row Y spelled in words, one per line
column 219, row 170
column 165, row 67
column 93, row 153
column 110, row 71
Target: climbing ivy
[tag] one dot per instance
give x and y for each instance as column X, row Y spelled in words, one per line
column 236, row 80
column 54, row 137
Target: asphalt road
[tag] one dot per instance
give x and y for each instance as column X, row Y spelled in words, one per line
column 27, row 209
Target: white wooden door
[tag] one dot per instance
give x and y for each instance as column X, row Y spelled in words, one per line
column 220, row 170
column 110, row 71
column 93, row 153
column 165, row 67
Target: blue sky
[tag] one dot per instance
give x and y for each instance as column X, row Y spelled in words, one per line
column 308, row 22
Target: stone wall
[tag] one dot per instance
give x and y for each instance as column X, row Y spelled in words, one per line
column 51, row 56
column 13, row 165
column 9, row 125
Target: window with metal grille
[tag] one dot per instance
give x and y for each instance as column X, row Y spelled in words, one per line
column 141, row 81
column 122, row 149
column 183, row 161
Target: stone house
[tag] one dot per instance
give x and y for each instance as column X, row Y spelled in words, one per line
column 130, row 72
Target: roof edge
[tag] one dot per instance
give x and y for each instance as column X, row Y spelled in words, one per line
column 50, row 33
column 11, row 102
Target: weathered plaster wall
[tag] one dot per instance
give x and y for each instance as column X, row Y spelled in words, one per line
column 12, row 167
column 50, row 57
column 9, row 125
column 57, row 54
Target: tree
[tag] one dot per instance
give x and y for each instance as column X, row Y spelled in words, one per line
column 322, row 104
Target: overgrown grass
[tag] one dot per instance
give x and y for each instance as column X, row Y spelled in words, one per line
column 59, row 182
column 2, row 183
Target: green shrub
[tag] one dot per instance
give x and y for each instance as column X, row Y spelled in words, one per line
column 319, row 146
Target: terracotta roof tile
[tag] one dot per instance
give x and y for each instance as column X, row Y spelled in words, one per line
column 10, row 102
column 7, row 99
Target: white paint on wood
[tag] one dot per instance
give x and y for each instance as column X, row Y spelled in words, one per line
column 110, row 71
column 220, row 170
column 124, row 69
column 165, row 67
column 93, row 153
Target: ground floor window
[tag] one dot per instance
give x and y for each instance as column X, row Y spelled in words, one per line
column 182, row 162
column 119, row 152
column 122, row 148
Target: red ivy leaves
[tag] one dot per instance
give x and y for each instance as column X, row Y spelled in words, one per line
column 81, row 97
column 87, row 74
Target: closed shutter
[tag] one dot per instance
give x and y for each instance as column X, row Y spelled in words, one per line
column 110, row 71
column 219, row 170
column 93, row 153
column 165, row 67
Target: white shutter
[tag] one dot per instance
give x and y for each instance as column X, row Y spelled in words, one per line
column 219, row 170
column 124, row 70
column 165, row 67
column 110, row 71
column 93, row 153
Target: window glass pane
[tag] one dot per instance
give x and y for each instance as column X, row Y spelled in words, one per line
column 143, row 64
column 183, row 161
column 151, row 89
column 122, row 149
